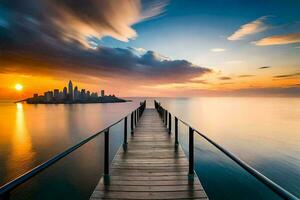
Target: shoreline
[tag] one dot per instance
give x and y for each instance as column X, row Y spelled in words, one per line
column 78, row 102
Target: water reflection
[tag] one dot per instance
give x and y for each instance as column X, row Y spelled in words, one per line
column 31, row 134
column 261, row 131
column 21, row 154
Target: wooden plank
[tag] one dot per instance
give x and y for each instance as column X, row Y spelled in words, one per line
column 134, row 188
column 151, row 168
column 149, row 178
column 153, row 183
column 149, row 195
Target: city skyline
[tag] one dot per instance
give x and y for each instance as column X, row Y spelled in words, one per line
column 67, row 95
column 152, row 48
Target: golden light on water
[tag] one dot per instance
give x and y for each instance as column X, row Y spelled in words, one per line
column 22, row 154
column 18, row 87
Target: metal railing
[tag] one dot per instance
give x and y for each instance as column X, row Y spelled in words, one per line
column 167, row 117
column 135, row 115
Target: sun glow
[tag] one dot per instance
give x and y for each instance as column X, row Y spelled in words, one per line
column 18, row 87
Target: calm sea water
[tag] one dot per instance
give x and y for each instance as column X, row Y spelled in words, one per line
column 264, row 132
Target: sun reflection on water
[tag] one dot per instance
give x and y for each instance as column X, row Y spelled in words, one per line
column 21, row 153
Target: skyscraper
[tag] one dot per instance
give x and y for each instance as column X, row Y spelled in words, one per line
column 71, row 94
column 48, row 96
column 65, row 93
column 56, row 94
column 76, row 93
column 102, row 93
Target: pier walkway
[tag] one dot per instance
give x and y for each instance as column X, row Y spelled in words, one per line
column 150, row 167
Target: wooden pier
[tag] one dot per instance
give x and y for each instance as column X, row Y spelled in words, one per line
column 150, row 167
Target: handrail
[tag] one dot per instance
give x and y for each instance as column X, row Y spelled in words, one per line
column 6, row 188
column 269, row 183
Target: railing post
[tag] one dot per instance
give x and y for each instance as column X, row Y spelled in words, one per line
column 170, row 123
column 176, row 132
column 191, row 151
column 166, row 117
column 106, row 155
column 125, row 134
column 135, row 118
column 131, row 122
column 140, row 112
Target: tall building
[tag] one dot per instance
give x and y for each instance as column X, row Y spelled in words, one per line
column 102, row 93
column 65, row 93
column 61, row 95
column 76, row 93
column 48, row 96
column 56, row 94
column 82, row 94
column 71, row 94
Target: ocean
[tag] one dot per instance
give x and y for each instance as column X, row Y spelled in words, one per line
column 264, row 132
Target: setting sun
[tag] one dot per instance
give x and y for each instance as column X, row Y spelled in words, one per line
column 18, row 87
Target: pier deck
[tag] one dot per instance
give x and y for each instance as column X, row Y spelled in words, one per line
column 151, row 168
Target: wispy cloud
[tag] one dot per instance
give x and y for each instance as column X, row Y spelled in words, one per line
column 199, row 81
column 225, row 78
column 246, row 75
column 287, row 75
column 279, row 40
column 253, row 27
column 139, row 51
column 218, row 50
column 295, row 85
column 264, row 67
column 77, row 21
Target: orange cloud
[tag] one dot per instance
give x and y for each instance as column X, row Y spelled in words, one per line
column 279, row 40
column 218, row 50
column 92, row 18
column 253, row 27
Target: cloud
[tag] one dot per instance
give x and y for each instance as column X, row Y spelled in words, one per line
column 76, row 21
column 287, row 75
column 253, row 27
column 137, row 50
column 279, row 40
column 225, row 78
column 199, row 81
column 245, row 75
column 105, row 62
column 58, row 47
column 264, row 67
column 295, row 85
column 86, row 18
column 218, row 50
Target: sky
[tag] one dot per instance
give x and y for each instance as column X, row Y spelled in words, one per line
column 151, row 48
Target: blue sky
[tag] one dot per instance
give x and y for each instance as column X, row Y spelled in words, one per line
column 163, row 46
column 189, row 28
